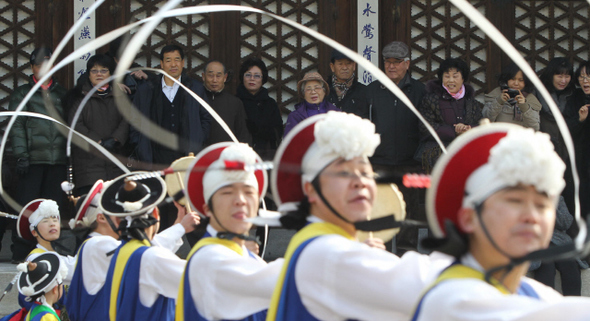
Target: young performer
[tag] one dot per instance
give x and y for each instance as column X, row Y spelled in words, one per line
column 493, row 199
column 322, row 168
column 39, row 220
column 142, row 280
column 41, row 281
column 86, row 299
column 223, row 280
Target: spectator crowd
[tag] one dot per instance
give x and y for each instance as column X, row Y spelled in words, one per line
column 448, row 104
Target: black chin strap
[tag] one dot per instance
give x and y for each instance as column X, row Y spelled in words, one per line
column 227, row 235
column 111, row 224
column 230, row 236
column 316, row 185
column 560, row 252
column 383, row 223
column 386, row 223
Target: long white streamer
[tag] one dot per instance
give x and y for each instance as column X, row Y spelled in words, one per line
column 129, row 53
column 107, row 80
column 486, row 26
column 11, row 202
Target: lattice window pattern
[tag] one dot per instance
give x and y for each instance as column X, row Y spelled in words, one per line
column 288, row 53
column 440, row 31
column 190, row 32
column 548, row 29
column 17, row 33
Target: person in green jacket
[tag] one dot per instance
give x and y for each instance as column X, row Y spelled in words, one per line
column 37, row 145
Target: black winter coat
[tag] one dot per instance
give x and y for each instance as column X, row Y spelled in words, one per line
column 395, row 122
column 99, row 120
column 264, row 121
column 355, row 101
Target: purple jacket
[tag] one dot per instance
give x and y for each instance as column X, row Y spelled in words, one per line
column 304, row 110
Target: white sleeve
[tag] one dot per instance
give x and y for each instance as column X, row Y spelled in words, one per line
column 475, row 300
column 160, row 274
column 70, row 262
column 95, row 262
column 225, row 285
column 340, row 279
column 170, row 238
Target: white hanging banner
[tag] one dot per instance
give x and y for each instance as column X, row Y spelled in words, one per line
column 85, row 34
column 368, row 36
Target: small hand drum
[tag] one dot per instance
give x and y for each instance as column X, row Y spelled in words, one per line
column 389, row 200
column 175, row 181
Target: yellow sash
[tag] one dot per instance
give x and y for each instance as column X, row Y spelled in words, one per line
column 306, row 233
column 36, row 251
column 203, row 242
column 459, row 271
column 124, row 254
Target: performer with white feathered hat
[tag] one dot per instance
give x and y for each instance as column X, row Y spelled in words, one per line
column 41, row 281
column 223, row 280
column 86, row 299
column 142, row 280
column 492, row 205
column 322, row 174
column 39, row 221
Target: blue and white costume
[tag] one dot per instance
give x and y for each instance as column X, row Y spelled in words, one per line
column 226, row 285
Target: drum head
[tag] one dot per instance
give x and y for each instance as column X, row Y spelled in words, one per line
column 389, row 200
column 175, row 180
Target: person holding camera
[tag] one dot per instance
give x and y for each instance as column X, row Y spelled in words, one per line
column 511, row 102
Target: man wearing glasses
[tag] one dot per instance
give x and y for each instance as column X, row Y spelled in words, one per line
column 398, row 127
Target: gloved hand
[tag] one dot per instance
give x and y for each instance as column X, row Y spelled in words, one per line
column 110, row 144
column 22, row 166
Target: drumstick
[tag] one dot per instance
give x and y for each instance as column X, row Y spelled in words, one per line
column 187, row 205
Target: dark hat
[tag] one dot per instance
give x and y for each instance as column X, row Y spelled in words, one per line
column 122, row 197
column 396, row 49
column 39, row 55
column 336, row 55
column 40, row 275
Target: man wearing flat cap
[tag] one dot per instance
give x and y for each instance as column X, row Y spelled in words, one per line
column 398, row 127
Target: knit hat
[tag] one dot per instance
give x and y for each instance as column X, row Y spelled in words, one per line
column 220, row 165
column 32, row 214
column 485, row 160
column 312, row 145
column 315, row 76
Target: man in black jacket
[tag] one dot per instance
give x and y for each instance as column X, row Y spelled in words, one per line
column 398, row 127
column 346, row 92
column 172, row 108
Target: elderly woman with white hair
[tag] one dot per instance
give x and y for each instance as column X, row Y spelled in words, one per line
column 313, row 89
